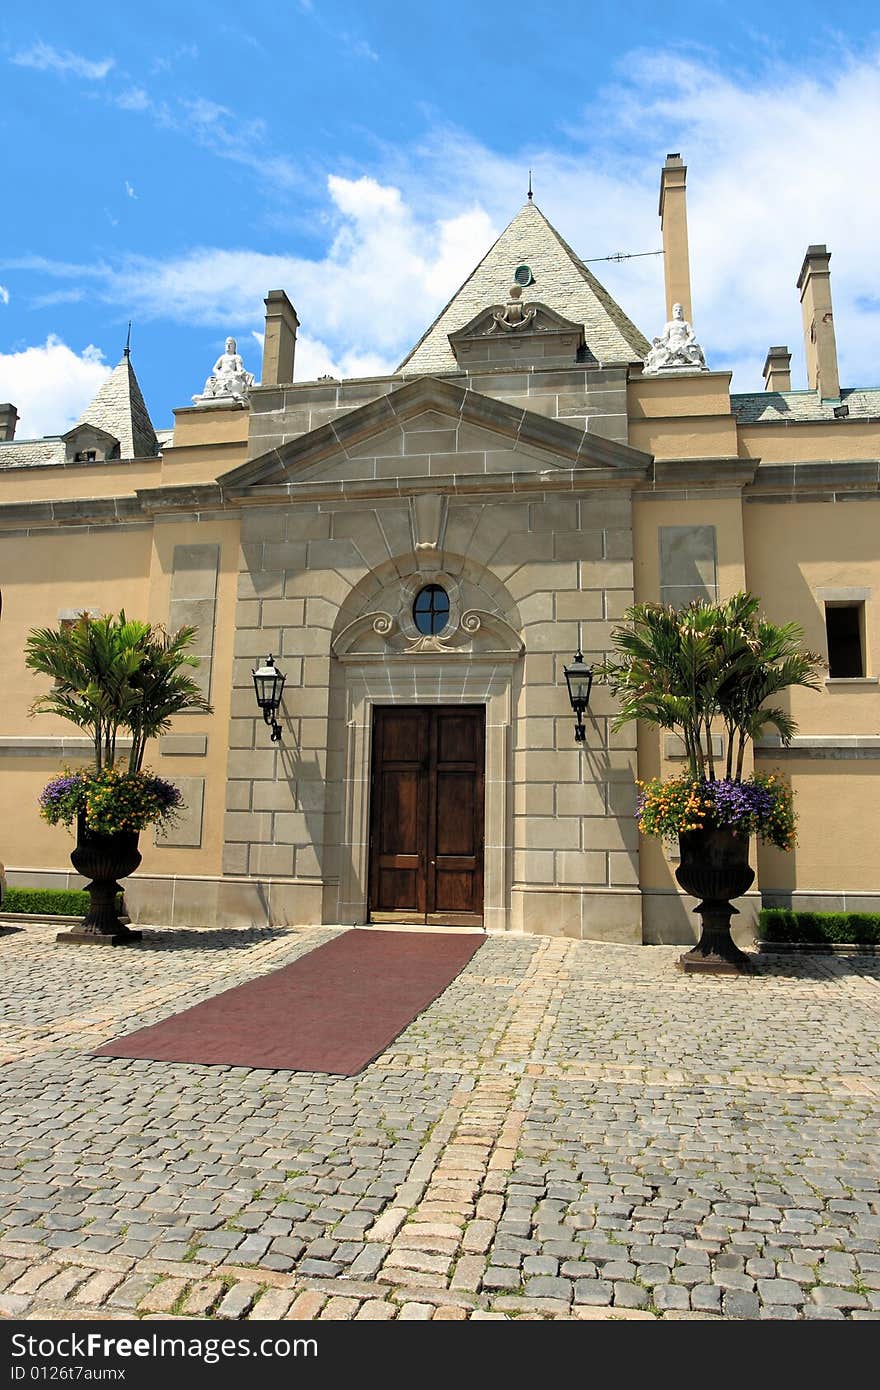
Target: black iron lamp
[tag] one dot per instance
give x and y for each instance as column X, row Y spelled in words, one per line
column 269, row 684
column 579, row 679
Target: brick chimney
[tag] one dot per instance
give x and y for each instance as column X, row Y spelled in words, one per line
column 8, row 421
column 777, row 369
column 673, row 224
column 820, row 345
column 279, row 344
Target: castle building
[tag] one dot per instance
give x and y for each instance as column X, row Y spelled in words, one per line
column 421, row 555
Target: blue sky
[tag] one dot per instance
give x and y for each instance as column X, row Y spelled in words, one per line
column 172, row 163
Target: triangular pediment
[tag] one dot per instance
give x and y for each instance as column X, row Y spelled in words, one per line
column 87, row 430
column 434, row 430
column 518, row 334
column 541, row 319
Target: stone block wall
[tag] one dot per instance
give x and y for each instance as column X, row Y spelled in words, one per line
column 586, row 397
column 552, row 567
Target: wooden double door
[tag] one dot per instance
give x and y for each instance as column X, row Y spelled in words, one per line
column 426, row 815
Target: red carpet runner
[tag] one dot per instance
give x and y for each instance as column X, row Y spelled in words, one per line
column 333, row 1010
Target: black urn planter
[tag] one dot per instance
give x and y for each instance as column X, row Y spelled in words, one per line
column 103, row 859
column 715, row 868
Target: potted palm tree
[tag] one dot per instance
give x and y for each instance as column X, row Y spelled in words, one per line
column 696, row 671
column 114, row 677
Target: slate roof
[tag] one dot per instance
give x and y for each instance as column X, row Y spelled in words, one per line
column 562, row 282
column 119, row 409
column 767, row 407
column 31, row 453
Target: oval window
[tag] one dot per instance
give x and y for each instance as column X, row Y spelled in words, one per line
column 431, row 610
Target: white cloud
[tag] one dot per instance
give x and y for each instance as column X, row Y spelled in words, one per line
column 775, row 163
column 215, row 128
column 45, row 58
column 363, row 303
column 314, row 358
column 130, row 190
column 133, row 99
column 50, row 385
column 4, row 295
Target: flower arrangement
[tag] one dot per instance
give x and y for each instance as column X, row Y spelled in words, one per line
column 111, row 800
column 760, row 805
column 114, row 674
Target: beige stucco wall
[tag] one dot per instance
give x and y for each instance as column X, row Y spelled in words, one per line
column 56, row 482
column 806, row 442
column 649, row 514
column 672, row 397
column 793, row 551
column 44, row 575
column 169, row 533
column 685, row 436
column 836, row 851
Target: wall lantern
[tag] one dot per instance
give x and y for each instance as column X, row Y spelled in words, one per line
column 269, row 684
column 579, row 679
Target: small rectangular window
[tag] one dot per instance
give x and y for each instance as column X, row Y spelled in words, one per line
column 844, row 626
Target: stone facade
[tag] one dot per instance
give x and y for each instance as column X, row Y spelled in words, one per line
column 538, row 555
column 543, row 482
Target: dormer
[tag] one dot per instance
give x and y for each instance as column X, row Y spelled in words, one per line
column 519, row 334
column 87, row 443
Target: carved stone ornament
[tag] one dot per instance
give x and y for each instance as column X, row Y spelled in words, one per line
column 514, row 315
column 504, row 333
column 228, row 382
column 378, row 635
column 676, row 349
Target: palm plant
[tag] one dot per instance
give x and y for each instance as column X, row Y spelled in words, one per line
column 162, row 688
column 112, row 673
column 686, row 668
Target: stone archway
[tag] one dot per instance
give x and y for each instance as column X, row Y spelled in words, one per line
column 381, row 660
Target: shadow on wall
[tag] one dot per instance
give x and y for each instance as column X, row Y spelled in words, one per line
column 309, row 783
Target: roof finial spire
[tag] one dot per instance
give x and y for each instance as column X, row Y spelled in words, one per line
column 126, row 351
column 530, row 185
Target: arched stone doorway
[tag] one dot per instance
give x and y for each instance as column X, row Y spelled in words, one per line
column 383, row 662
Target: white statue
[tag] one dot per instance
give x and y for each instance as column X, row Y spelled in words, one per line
column 677, row 348
column 514, row 315
column 228, row 380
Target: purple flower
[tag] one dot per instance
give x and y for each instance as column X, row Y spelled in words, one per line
column 59, row 787
column 739, row 803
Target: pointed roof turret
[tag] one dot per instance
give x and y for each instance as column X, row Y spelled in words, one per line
column 119, row 409
column 561, row 281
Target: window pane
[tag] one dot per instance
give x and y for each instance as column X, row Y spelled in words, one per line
column 843, row 626
column 431, row 609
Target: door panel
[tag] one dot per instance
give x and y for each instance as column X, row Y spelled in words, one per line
column 426, row 819
column 455, row 813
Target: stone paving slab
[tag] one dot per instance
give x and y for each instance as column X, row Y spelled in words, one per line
column 570, row 1131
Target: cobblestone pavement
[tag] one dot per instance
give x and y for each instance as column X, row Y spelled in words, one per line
column 570, row 1131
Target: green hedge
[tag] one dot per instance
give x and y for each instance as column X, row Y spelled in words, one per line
column 854, row 928
column 48, row 902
